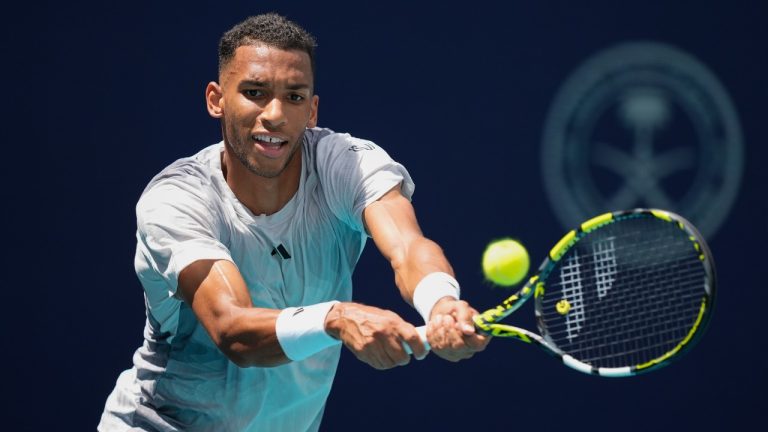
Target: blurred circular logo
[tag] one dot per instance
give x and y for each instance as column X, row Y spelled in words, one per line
column 642, row 125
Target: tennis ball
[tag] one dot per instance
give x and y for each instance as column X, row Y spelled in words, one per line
column 505, row 262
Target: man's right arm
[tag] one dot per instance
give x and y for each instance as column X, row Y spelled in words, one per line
column 247, row 335
column 219, row 297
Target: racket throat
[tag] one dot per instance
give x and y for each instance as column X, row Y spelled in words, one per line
column 512, row 332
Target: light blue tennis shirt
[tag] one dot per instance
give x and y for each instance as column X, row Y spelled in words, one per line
column 303, row 254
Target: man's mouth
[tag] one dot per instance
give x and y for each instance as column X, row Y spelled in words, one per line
column 269, row 140
column 270, row 145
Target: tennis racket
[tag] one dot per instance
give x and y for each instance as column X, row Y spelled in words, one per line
column 625, row 293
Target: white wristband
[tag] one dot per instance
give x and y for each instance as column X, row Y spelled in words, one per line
column 432, row 288
column 301, row 331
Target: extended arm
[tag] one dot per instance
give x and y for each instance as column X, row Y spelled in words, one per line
column 219, row 297
column 249, row 336
column 392, row 223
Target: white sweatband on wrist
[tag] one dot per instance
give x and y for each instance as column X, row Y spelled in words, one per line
column 301, row 331
column 432, row 288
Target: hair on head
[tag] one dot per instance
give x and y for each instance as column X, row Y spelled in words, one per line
column 269, row 29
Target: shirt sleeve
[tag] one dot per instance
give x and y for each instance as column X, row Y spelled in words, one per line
column 175, row 227
column 355, row 173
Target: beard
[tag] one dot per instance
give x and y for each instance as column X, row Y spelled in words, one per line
column 242, row 148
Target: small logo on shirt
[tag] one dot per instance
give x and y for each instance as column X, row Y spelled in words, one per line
column 357, row 148
column 298, row 311
column 280, row 250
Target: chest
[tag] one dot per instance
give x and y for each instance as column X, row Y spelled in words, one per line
column 307, row 259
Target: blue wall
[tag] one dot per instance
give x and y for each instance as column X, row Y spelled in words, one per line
column 470, row 99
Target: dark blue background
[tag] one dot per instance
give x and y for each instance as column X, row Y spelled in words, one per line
column 101, row 97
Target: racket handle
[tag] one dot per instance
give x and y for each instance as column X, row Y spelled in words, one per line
column 422, row 330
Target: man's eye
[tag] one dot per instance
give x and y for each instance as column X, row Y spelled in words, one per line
column 296, row 98
column 253, row 93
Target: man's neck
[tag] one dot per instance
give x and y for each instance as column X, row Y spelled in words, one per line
column 262, row 195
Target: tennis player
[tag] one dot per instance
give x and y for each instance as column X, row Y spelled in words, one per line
column 246, row 251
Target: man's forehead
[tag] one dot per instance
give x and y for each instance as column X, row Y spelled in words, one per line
column 251, row 61
column 260, row 50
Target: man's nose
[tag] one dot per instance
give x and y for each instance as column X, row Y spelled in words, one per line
column 273, row 115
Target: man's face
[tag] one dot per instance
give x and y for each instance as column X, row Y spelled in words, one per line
column 266, row 103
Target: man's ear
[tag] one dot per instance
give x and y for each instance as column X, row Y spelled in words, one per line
column 214, row 99
column 313, row 113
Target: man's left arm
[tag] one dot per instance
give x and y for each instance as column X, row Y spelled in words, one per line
column 418, row 262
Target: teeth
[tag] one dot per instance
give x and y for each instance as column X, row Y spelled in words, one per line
column 269, row 139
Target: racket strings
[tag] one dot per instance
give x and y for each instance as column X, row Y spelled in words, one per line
column 632, row 291
column 641, row 301
column 621, row 323
column 669, row 332
column 660, row 348
column 633, row 334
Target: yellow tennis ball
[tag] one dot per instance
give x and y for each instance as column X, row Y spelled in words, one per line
column 505, row 262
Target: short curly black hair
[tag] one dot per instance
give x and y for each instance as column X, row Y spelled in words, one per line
column 269, row 29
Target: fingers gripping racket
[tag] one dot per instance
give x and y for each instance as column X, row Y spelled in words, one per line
column 625, row 293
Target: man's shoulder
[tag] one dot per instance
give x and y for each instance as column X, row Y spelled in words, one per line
column 187, row 178
column 332, row 140
column 317, row 134
column 196, row 169
column 326, row 145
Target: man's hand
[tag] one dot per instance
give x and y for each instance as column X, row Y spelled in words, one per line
column 451, row 331
column 374, row 335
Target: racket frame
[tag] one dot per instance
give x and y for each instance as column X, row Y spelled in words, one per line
column 488, row 321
